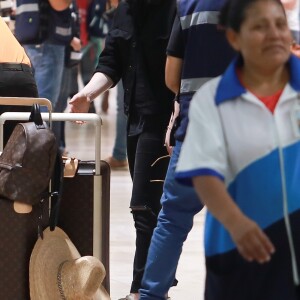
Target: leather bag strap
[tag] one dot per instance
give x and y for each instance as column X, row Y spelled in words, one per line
column 57, row 188
column 36, row 117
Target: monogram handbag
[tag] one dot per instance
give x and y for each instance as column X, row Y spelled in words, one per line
column 27, row 161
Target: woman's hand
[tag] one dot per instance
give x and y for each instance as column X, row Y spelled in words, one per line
column 252, row 243
column 80, row 103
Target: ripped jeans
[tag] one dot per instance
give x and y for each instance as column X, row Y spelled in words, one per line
column 143, row 150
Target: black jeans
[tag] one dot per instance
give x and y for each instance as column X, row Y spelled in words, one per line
column 143, row 150
column 16, row 80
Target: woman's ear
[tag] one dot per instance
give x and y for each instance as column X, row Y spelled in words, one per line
column 233, row 39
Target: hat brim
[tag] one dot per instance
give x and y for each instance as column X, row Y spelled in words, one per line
column 46, row 257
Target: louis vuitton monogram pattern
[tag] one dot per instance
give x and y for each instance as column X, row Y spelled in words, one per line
column 27, row 163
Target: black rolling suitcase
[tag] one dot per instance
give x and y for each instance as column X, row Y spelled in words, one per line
column 85, row 205
column 77, row 212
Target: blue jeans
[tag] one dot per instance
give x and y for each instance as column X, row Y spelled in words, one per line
column 48, row 64
column 119, row 150
column 179, row 206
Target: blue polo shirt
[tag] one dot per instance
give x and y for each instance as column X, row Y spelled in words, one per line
column 196, row 35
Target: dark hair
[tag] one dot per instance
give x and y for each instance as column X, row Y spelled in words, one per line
column 232, row 14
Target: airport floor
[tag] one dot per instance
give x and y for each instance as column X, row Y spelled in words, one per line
column 191, row 270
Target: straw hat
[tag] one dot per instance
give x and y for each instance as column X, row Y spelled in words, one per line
column 57, row 271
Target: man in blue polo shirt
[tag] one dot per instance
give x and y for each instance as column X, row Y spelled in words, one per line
column 197, row 51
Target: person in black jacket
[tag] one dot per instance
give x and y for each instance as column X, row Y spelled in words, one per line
column 135, row 51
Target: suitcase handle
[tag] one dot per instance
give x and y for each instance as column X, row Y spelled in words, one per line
column 18, row 101
column 26, row 101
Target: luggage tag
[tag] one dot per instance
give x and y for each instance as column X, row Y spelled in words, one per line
column 296, row 120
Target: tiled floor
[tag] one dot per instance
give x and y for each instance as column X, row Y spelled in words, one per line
column 191, row 271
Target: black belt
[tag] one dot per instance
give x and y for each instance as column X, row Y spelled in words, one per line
column 15, row 67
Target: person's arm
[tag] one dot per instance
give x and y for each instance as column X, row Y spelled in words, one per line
column 175, row 54
column 60, row 5
column 251, row 241
column 173, row 76
column 99, row 83
column 173, row 73
column 108, row 73
column 289, row 4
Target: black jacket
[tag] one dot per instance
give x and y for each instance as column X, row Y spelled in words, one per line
column 135, row 51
